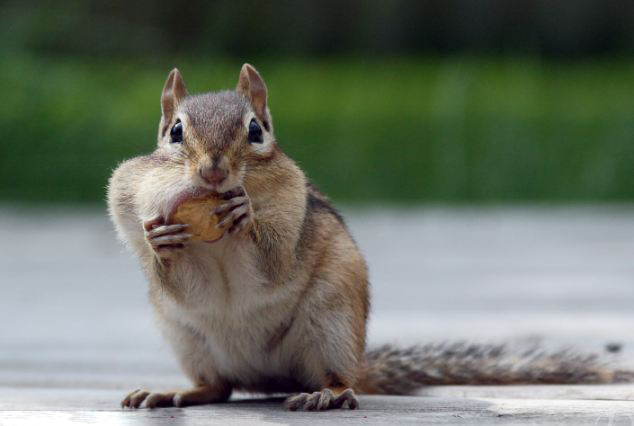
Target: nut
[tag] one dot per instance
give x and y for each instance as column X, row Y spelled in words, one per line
column 198, row 214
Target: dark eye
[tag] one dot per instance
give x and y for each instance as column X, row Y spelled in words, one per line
column 177, row 132
column 255, row 132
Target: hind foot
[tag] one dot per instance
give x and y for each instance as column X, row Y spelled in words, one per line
column 197, row 396
column 325, row 400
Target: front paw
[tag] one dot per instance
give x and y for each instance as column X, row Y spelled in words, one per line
column 236, row 213
column 165, row 240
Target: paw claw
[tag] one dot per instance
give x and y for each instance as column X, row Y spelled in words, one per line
column 126, row 401
column 138, row 398
column 293, row 402
column 230, row 205
column 311, row 401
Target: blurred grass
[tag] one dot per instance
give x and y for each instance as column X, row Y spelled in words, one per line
column 403, row 130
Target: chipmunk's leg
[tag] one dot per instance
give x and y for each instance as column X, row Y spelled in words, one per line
column 336, row 334
column 192, row 352
column 335, row 394
column 202, row 394
column 164, row 239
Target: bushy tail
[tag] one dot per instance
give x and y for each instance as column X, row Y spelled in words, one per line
column 395, row 371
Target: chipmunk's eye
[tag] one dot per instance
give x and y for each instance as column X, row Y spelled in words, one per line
column 255, row 132
column 176, row 134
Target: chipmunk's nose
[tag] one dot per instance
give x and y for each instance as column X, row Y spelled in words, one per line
column 213, row 175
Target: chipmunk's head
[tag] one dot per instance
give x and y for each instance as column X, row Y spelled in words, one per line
column 218, row 138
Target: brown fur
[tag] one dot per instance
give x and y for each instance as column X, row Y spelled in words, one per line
column 301, row 250
column 281, row 304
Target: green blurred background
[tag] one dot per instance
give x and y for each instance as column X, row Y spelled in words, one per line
column 379, row 101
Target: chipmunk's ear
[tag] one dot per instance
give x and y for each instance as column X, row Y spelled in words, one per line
column 174, row 92
column 252, row 86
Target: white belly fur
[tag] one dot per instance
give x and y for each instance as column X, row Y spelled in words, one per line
column 232, row 306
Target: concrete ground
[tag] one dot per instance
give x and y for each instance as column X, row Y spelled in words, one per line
column 76, row 331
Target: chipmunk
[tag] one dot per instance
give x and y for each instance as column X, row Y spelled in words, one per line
column 279, row 303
